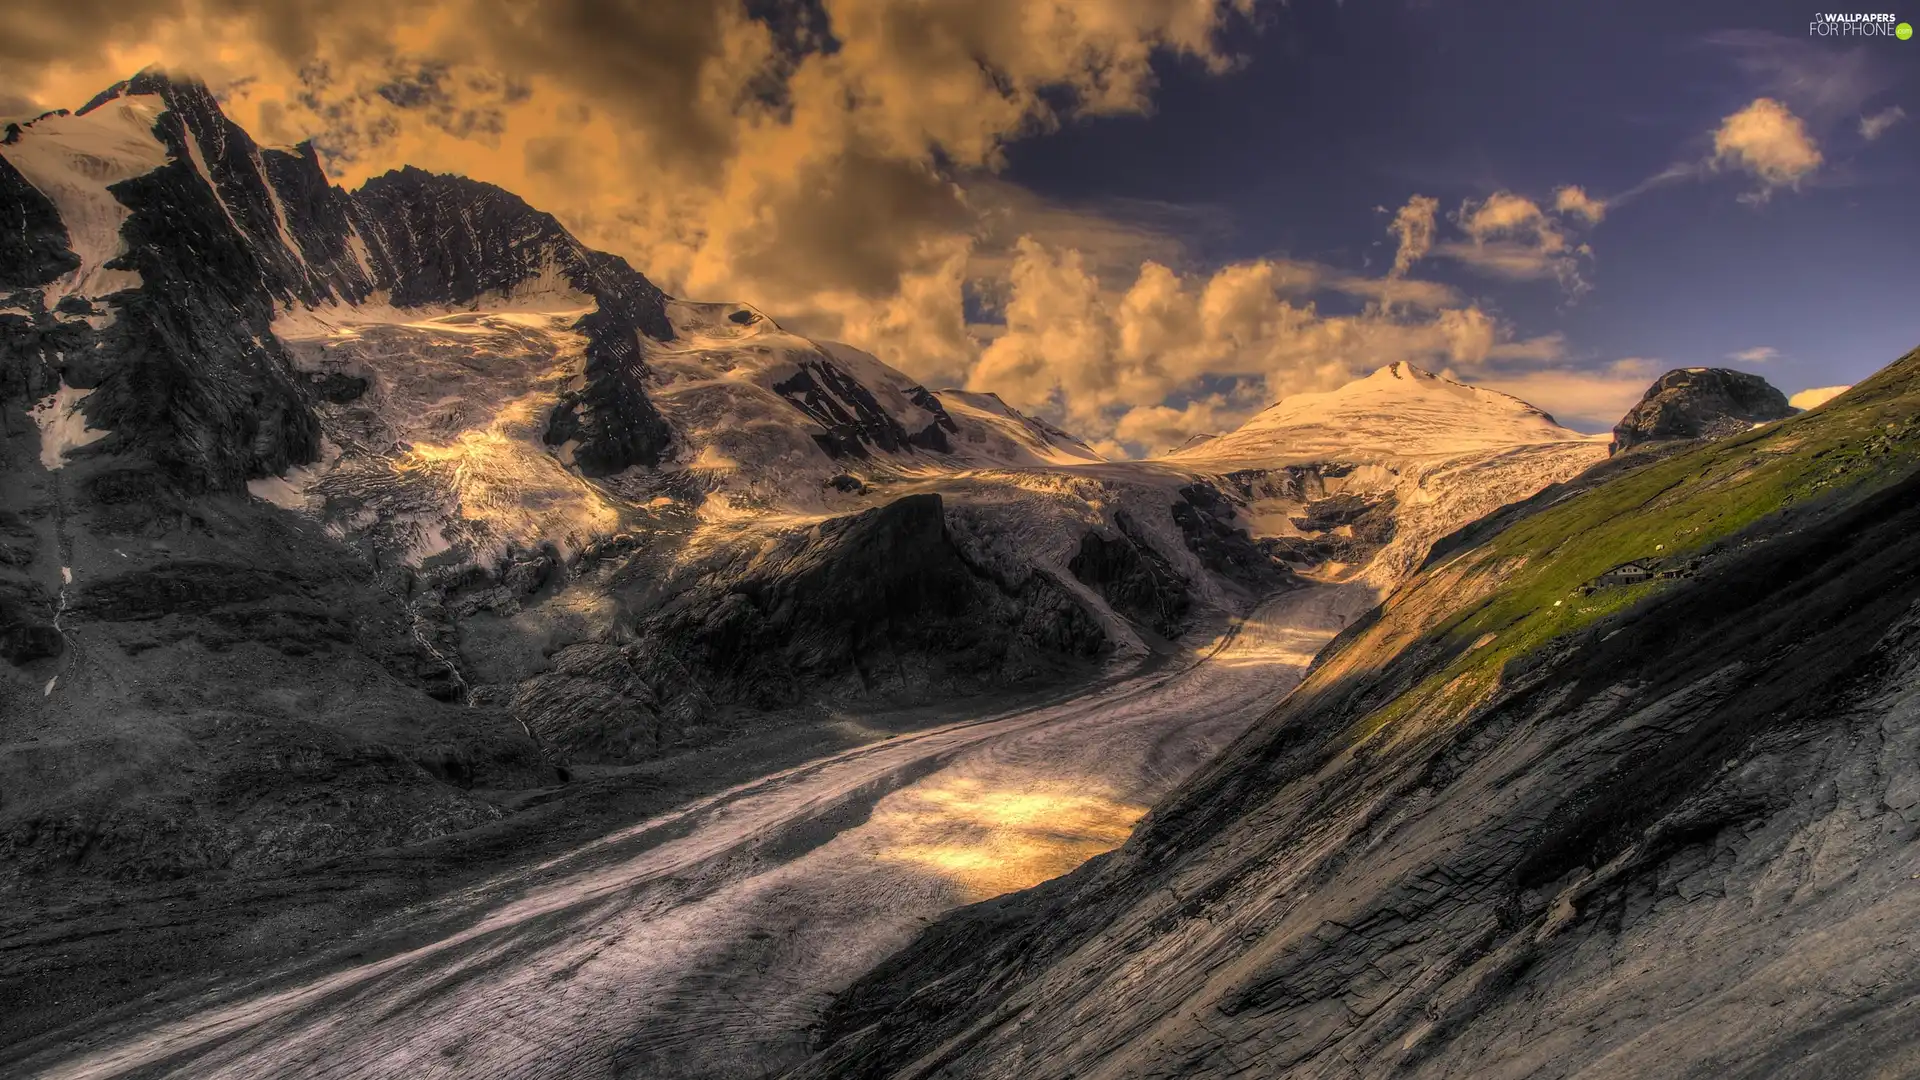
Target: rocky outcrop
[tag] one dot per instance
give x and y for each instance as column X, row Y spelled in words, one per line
column 1206, row 519
column 27, row 632
column 1134, row 577
column 852, row 419
column 882, row 606
column 1700, row 403
column 33, row 244
column 1646, row 837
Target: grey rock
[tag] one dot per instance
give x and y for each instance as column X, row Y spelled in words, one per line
column 1700, row 403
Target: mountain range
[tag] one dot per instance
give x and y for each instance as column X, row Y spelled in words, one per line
column 340, row 523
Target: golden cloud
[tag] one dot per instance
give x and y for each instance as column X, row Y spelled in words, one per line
column 1107, row 360
column 1767, row 140
column 837, row 170
column 725, row 157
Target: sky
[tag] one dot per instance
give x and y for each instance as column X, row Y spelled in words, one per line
column 1143, row 219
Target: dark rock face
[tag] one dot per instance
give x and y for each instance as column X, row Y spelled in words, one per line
column 33, row 242
column 235, row 692
column 852, row 419
column 27, row 632
column 847, row 484
column 1134, row 577
column 190, row 375
column 881, row 605
column 1700, row 403
column 1205, row 517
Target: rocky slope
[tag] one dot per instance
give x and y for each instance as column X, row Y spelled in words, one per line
column 1700, row 403
column 1513, row 825
column 334, row 518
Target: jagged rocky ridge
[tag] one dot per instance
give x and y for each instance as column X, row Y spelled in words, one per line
column 1509, row 827
column 1700, row 403
column 226, row 234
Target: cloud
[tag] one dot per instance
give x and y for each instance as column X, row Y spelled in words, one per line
column 1759, row 354
column 1413, row 226
column 811, row 164
column 1111, row 362
column 1510, row 236
column 1767, row 140
column 1574, row 200
column 1161, row 428
column 1819, row 80
column 1391, row 292
column 1872, row 127
column 838, row 166
column 1591, row 399
column 1820, row 395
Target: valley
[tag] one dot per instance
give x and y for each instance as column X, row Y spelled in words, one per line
column 705, row 942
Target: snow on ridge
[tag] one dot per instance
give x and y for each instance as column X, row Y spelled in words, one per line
column 985, row 418
column 550, row 295
column 63, row 427
column 73, row 160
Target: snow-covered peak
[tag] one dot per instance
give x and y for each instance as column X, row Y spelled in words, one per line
column 1398, row 411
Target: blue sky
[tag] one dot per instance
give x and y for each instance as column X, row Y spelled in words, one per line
column 1337, row 109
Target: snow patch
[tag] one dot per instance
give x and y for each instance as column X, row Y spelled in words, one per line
column 288, row 492
column 63, row 427
column 205, row 172
column 73, row 160
column 547, row 303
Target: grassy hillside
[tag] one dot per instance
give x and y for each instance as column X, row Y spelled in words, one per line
column 1703, row 504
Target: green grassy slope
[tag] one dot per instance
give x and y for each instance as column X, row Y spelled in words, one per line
column 1702, row 504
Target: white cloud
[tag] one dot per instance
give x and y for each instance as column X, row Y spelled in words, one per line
column 1872, row 127
column 1510, row 236
column 1109, row 362
column 1573, row 199
column 1819, row 395
column 1767, row 140
column 1413, row 226
column 1590, row 399
column 1759, row 354
column 1160, row 428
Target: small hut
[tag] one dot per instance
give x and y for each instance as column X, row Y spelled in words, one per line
column 1628, row 573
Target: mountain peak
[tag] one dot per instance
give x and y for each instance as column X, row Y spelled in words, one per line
column 1400, row 369
column 1399, row 410
column 1700, row 403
